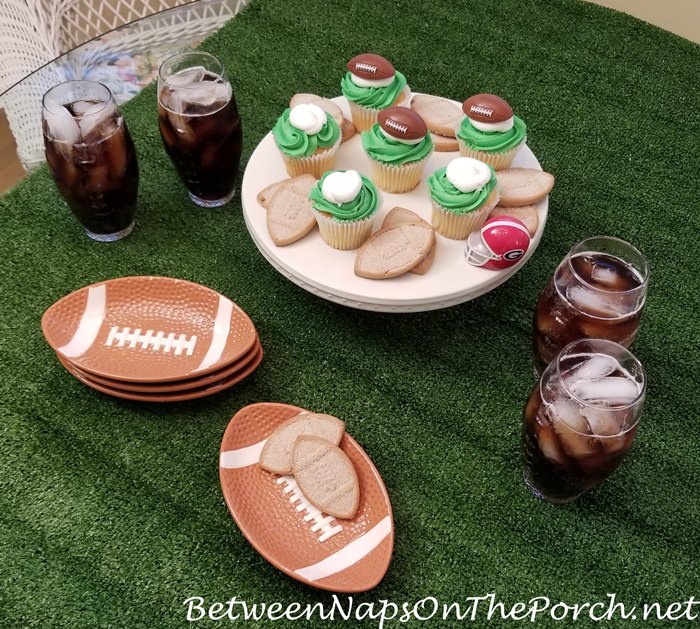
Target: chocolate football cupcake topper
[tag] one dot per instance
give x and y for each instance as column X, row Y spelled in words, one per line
column 402, row 124
column 370, row 70
column 488, row 112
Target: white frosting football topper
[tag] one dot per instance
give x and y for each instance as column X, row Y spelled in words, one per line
column 468, row 174
column 505, row 125
column 341, row 186
column 362, row 82
column 308, row 118
column 402, row 140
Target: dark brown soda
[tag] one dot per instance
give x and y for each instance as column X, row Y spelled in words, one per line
column 556, row 473
column 204, row 146
column 557, row 322
column 98, row 178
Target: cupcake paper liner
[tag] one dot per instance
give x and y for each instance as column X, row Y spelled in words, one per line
column 498, row 161
column 398, row 178
column 315, row 164
column 364, row 117
column 459, row 226
column 344, row 234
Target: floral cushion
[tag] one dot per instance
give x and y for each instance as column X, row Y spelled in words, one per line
column 123, row 73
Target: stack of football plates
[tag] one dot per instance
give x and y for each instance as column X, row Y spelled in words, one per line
column 152, row 339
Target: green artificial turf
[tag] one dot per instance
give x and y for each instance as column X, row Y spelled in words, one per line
column 111, row 513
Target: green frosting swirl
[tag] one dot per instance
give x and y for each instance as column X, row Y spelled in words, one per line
column 362, row 206
column 494, row 141
column 453, row 199
column 381, row 148
column 373, row 97
column 295, row 143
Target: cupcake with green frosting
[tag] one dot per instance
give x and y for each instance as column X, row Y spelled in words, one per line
column 463, row 194
column 344, row 204
column 398, row 145
column 308, row 139
column 370, row 85
column 489, row 131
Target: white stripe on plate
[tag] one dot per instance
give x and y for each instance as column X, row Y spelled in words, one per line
column 348, row 556
column 222, row 327
column 90, row 323
column 243, row 457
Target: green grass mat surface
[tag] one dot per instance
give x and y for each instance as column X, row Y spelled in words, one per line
column 111, row 513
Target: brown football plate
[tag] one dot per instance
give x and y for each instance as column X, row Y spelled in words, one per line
column 371, row 67
column 177, row 396
column 319, row 550
column 169, row 387
column 487, row 108
column 148, row 329
column 402, row 123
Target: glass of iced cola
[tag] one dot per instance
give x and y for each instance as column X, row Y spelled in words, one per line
column 91, row 157
column 200, row 126
column 581, row 418
column 598, row 290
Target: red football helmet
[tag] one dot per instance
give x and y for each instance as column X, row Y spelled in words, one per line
column 500, row 243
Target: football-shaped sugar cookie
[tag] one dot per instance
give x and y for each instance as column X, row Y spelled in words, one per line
column 487, row 108
column 441, row 115
column 526, row 214
column 326, row 476
column 443, row 143
column 399, row 216
column 402, row 123
column 289, row 214
column 392, row 251
column 523, row 186
column 276, row 455
column 370, row 66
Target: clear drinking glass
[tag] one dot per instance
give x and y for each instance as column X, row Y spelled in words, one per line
column 200, row 126
column 91, row 157
column 581, row 418
column 598, row 290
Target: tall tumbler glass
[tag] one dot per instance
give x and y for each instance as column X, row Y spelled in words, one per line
column 598, row 290
column 581, row 418
column 91, row 157
column 200, row 126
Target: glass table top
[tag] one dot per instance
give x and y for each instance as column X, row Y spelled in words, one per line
column 125, row 59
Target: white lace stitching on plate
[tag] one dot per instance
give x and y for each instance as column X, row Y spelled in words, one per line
column 321, row 522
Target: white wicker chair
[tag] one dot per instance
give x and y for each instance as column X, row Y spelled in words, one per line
column 33, row 33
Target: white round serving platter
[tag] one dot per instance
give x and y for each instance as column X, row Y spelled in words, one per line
column 328, row 273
